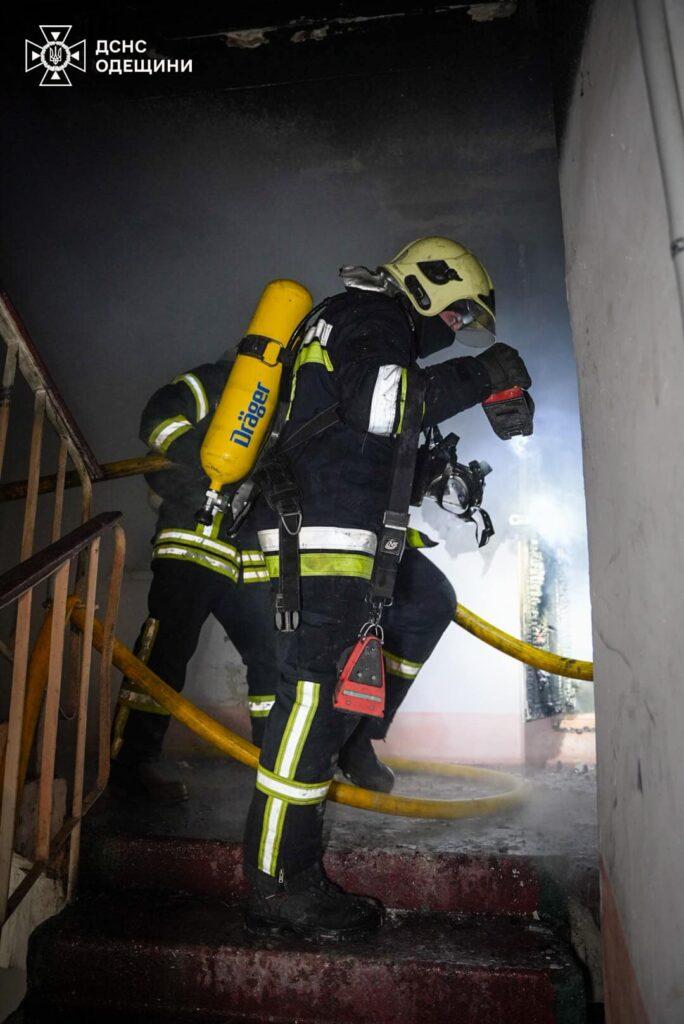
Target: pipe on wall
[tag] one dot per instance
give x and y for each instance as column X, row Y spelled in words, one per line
column 659, row 23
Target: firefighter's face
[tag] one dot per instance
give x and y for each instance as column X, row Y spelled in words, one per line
column 453, row 319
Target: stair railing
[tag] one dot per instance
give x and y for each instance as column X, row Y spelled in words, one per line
column 75, row 555
column 22, row 355
column 56, row 562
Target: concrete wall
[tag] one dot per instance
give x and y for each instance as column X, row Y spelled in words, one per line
column 630, row 354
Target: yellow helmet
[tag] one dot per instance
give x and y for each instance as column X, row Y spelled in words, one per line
column 437, row 273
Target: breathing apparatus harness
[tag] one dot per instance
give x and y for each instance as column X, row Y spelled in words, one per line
column 431, row 471
column 361, row 670
column 273, row 477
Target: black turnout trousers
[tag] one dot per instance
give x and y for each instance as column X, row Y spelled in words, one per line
column 304, row 732
column 181, row 598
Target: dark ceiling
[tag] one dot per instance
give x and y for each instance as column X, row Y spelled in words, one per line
column 305, row 42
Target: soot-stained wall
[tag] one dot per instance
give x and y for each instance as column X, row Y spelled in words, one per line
column 631, row 375
column 139, row 229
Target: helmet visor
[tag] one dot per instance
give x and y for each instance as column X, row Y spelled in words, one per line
column 472, row 314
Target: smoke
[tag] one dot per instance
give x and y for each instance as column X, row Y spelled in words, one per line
column 534, row 494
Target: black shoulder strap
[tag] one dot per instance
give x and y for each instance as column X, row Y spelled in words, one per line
column 308, row 430
column 392, row 539
column 279, row 486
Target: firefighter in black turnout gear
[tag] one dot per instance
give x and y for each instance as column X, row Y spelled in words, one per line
column 197, row 571
column 359, row 358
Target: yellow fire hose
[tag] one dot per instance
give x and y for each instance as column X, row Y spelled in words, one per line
column 203, row 725
column 513, row 788
column 229, row 743
column 546, row 660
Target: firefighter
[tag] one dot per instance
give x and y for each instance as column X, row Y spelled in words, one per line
column 197, row 571
column 359, row 360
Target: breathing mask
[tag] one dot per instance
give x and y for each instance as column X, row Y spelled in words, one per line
column 457, row 488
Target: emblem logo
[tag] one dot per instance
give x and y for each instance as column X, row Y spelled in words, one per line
column 249, row 417
column 55, row 55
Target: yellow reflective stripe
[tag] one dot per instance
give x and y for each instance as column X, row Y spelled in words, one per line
column 148, row 637
column 212, row 531
column 271, row 834
column 254, row 567
column 402, row 399
column 311, row 351
column 291, row 792
column 129, row 694
column 255, row 575
column 259, row 707
column 198, row 558
column 252, row 556
column 416, row 539
column 333, row 563
column 167, row 431
column 194, row 540
column 297, row 728
column 198, row 392
column 278, row 785
column 399, row 666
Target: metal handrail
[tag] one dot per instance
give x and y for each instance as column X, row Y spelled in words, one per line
column 49, row 407
column 17, row 489
column 37, row 684
column 39, row 567
column 40, row 686
column 38, row 376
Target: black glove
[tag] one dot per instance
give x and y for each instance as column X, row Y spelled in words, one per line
column 505, row 367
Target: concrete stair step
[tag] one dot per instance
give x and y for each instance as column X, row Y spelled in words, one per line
column 405, row 879
column 185, row 958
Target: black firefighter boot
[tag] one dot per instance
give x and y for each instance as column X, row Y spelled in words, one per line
column 359, row 763
column 135, row 769
column 312, row 906
column 147, row 781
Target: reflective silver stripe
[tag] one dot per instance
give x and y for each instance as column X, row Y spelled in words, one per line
column 252, row 575
column 199, row 557
column 200, row 395
column 279, row 785
column 297, row 728
column 325, row 538
column 310, row 335
column 322, row 332
column 291, row 792
column 197, row 541
column 383, row 412
column 362, row 696
column 252, row 556
column 162, row 436
column 399, row 667
column 261, row 705
column 271, row 832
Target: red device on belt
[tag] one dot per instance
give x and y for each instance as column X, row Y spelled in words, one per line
column 361, row 680
column 510, row 412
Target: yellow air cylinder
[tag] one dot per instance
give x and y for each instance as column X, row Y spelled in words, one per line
column 243, row 416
